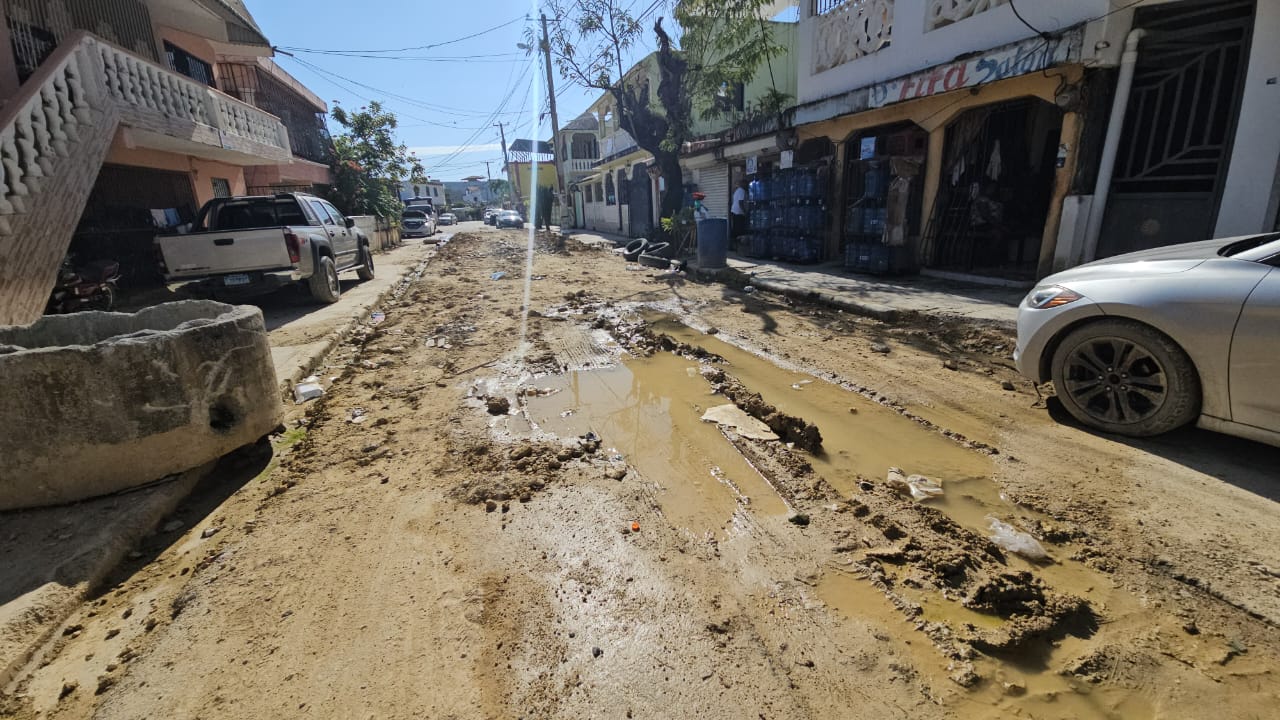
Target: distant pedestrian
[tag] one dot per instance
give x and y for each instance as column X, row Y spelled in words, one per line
column 738, row 211
column 546, row 198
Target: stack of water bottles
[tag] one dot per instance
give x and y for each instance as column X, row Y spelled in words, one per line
column 788, row 215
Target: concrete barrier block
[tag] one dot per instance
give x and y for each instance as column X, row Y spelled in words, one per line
column 96, row 402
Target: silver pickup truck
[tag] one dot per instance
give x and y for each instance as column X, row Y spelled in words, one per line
column 252, row 245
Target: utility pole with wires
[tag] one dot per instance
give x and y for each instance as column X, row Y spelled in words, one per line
column 513, row 178
column 565, row 218
column 488, row 188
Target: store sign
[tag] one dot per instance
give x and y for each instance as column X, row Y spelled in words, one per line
column 1029, row 56
column 787, row 159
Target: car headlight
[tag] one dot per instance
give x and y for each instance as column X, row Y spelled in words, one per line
column 1051, row 296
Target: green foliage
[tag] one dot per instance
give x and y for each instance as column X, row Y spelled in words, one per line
column 499, row 189
column 369, row 164
column 727, row 42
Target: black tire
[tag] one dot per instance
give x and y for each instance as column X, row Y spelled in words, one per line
column 1127, row 378
column 654, row 261
column 659, row 249
column 365, row 270
column 633, row 249
column 323, row 283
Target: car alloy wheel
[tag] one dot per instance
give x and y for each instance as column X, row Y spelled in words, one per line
column 1125, row 377
column 1115, row 380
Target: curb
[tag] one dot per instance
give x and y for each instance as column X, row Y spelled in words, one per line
column 307, row 365
column 729, row 276
column 39, row 613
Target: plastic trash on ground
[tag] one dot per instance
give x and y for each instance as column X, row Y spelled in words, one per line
column 918, row 487
column 1009, row 538
column 498, row 275
column 377, row 318
column 736, row 419
column 305, row 391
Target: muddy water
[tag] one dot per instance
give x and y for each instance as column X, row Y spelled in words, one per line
column 862, row 439
column 649, row 411
column 1009, row 690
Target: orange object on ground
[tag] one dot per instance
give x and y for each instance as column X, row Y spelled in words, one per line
column 635, row 527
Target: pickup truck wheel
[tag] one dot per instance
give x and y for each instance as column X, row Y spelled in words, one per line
column 365, row 271
column 324, row 281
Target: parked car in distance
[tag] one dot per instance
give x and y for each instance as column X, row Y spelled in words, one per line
column 448, row 219
column 1146, row 342
column 415, row 223
column 252, row 245
column 509, row 219
column 491, row 215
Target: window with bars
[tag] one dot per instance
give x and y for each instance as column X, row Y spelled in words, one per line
column 184, row 63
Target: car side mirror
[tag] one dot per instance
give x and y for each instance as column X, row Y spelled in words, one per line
column 349, row 222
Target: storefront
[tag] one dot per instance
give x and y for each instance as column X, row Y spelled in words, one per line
column 955, row 178
column 998, row 171
column 883, row 193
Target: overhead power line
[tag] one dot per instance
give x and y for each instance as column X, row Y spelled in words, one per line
column 407, row 49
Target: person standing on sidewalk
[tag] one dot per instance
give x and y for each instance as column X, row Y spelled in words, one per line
column 738, row 212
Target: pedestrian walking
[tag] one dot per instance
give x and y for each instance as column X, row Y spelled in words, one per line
column 738, row 212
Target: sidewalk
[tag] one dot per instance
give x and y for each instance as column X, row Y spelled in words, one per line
column 884, row 298
column 52, row 559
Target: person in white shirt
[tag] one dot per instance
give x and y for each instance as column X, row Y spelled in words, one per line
column 738, row 212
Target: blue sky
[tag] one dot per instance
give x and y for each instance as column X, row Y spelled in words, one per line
column 448, row 95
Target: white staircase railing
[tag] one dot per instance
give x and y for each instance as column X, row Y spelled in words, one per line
column 40, row 125
column 85, row 73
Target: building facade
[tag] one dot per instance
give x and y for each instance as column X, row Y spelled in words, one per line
column 976, row 145
column 121, row 117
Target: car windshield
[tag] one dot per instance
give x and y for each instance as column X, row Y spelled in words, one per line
column 1254, row 248
column 413, row 215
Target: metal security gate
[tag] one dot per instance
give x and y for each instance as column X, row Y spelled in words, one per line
column 1179, row 125
column 640, row 200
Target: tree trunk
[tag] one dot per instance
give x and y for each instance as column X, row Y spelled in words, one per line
column 673, row 196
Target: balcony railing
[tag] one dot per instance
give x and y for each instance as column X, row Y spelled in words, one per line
column 308, row 137
column 941, row 13
column 45, row 120
column 580, row 164
column 849, row 30
column 158, row 94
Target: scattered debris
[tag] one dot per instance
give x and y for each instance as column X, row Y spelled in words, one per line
column 356, row 415
column 209, row 532
column 302, row 392
column 498, row 275
column 880, row 347
column 918, row 487
column 735, row 418
column 377, row 318
column 1007, row 385
column 799, row 518
column 1009, row 538
column 950, row 364
column 498, row 405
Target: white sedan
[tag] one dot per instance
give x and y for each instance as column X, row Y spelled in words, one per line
column 1143, row 343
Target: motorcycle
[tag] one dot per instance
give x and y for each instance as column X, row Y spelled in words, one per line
column 90, row 287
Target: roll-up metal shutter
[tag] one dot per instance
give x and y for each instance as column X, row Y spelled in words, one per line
column 714, row 183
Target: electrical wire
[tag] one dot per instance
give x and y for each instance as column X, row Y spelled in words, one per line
column 1023, row 20
column 418, row 47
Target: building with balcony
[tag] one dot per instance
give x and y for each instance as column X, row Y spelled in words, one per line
column 978, row 145
column 613, row 183
column 114, row 127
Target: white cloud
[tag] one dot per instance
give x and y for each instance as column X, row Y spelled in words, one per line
column 439, row 150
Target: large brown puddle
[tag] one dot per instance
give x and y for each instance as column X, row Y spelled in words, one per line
column 649, row 410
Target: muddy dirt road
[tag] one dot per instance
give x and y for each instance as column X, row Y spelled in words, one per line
column 462, row 530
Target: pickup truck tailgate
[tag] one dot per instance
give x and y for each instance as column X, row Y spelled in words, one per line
column 219, row 253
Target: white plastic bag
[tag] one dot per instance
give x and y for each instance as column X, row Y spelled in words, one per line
column 918, row 487
column 1009, row 538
